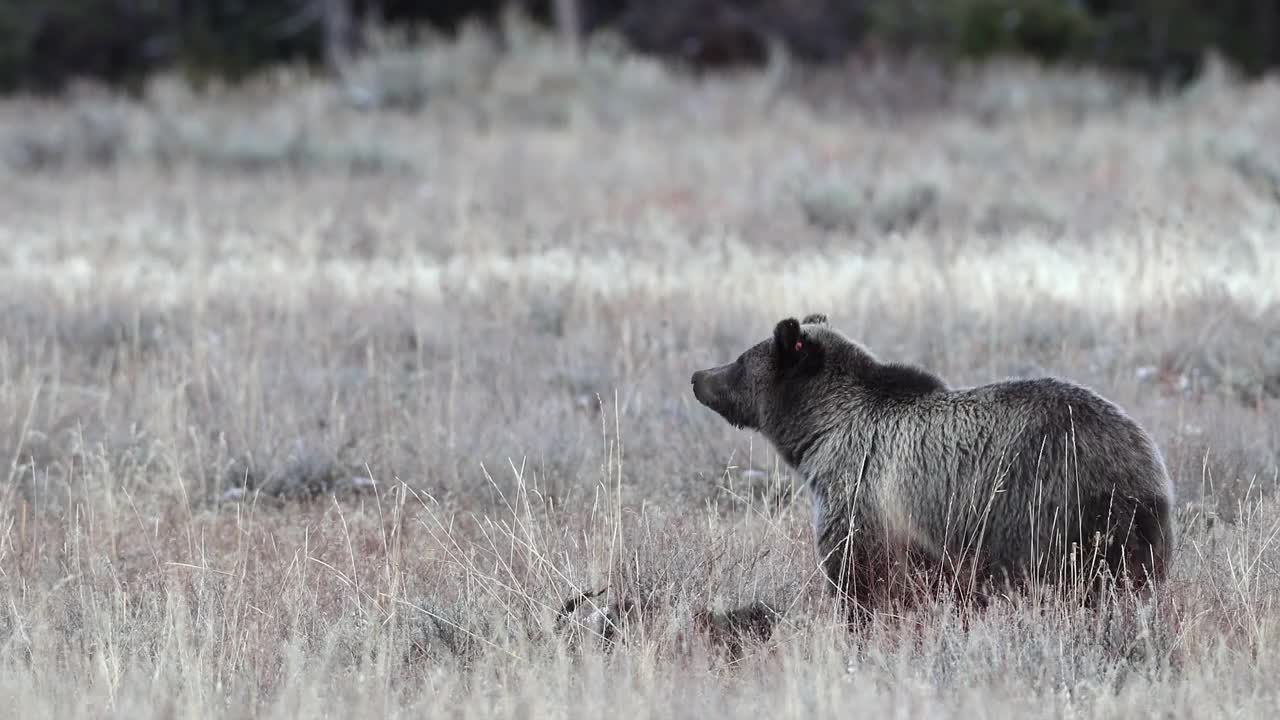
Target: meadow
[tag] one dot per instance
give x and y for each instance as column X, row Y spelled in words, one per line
column 319, row 397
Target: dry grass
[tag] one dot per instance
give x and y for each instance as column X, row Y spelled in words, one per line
column 332, row 426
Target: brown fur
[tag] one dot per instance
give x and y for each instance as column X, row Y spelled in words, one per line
column 920, row 486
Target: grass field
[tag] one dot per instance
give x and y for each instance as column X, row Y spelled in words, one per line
column 318, row 399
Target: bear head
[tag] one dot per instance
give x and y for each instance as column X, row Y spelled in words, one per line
column 805, row 382
column 780, row 385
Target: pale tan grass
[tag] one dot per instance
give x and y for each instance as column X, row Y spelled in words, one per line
column 493, row 331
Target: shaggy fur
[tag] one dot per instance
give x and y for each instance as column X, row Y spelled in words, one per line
column 917, row 485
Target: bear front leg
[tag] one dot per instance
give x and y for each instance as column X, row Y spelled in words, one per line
column 852, row 565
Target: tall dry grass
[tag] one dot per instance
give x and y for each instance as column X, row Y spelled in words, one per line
column 317, row 403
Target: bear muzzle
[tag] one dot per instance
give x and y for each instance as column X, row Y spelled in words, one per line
column 719, row 389
column 705, row 387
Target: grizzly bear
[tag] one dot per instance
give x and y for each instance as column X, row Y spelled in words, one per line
column 918, row 486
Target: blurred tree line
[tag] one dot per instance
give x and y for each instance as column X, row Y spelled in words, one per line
column 43, row 43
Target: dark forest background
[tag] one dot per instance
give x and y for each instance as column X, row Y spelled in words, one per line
column 46, row 43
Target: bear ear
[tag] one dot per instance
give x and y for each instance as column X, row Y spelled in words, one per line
column 815, row 319
column 788, row 341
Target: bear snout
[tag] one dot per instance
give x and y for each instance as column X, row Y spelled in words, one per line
column 711, row 389
column 701, row 389
column 719, row 389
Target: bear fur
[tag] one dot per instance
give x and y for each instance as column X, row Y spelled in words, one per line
column 918, row 486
